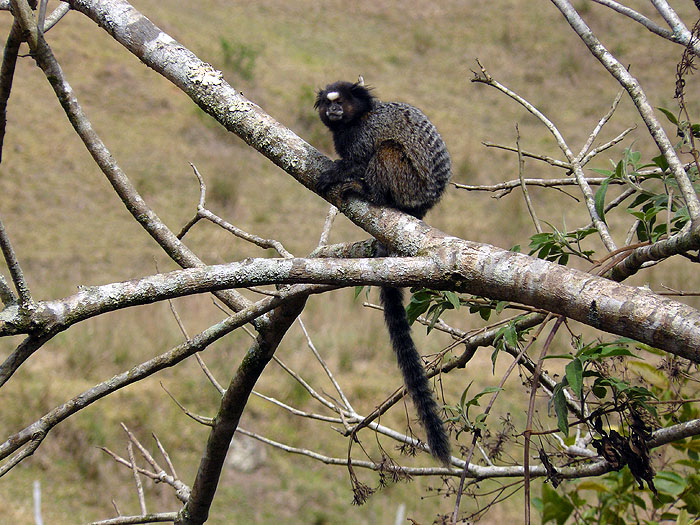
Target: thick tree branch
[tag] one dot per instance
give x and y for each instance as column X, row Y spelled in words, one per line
column 457, row 264
column 233, row 402
column 126, row 191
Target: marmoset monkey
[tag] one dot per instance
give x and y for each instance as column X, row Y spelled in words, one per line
column 391, row 155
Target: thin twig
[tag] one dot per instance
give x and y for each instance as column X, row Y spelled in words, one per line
column 327, row 225
column 209, row 375
column 599, row 149
column 596, row 131
column 166, row 456
column 486, row 412
column 25, row 297
column 197, row 356
column 486, row 78
column 645, row 110
column 544, row 158
column 526, row 193
column 158, row 474
column 530, row 414
column 300, row 413
column 204, row 213
column 137, row 478
column 206, row 421
column 325, row 367
column 318, row 397
column 156, row 517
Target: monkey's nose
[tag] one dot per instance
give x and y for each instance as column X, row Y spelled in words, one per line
column 334, row 115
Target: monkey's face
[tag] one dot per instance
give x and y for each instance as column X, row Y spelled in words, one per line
column 333, row 109
column 342, row 103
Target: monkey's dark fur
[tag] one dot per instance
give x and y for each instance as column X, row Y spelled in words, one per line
column 391, row 155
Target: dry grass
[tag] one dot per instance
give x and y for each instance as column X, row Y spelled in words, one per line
column 69, row 228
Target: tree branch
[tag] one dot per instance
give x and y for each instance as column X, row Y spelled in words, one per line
column 620, row 73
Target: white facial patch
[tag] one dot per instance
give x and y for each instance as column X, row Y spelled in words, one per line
column 333, row 95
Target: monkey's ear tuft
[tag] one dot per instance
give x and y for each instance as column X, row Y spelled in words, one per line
column 360, row 91
column 319, row 98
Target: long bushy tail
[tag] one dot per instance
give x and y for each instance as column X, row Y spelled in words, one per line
column 414, row 375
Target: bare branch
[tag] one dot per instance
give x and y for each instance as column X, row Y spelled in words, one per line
column 325, row 367
column 56, row 16
column 37, row 430
column 679, row 35
column 7, row 74
column 596, row 131
column 595, row 151
column 182, row 491
column 330, row 217
column 204, row 213
column 233, row 403
column 107, row 163
column 485, row 78
column 25, row 298
column 620, row 73
column 297, row 412
column 670, row 16
column 660, row 437
column 157, row 517
column 544, row 158
column 676, row 244
column 7, row 296
column 637, row 17
column 137, row 478
column 526, row 193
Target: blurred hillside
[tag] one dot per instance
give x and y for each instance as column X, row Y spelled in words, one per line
column 69, row 228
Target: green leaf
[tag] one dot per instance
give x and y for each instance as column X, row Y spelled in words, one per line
column 600, row 199
column 599, row 391
column 683, row 518
column 414, row 309
column 463, row 398
column 485, row 313
column 561, row 410
column 670, row 483
column 453, row 299
column 593, row 485
column 555, row 507
column 510, row 334
column 661, row 162
column 574, row 374
column 670, row 116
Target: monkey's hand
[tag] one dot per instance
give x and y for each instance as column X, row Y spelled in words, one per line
column 347, row 180
column 328, row 180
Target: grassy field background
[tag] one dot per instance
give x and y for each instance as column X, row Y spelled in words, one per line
column 69, row 228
